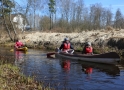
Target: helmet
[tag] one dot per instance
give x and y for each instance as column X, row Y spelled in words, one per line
column 88, row 43
column 66, row 39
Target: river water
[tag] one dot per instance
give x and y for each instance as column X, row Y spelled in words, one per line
column 64, row 74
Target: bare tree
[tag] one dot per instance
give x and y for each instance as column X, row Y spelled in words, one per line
column 95, row 15
column 44, row 23
column 32, row 6
column 28, row 6
column 79, row 10
column 76, row 14
column 66, row 6
column 109, row 16
column 118, row 19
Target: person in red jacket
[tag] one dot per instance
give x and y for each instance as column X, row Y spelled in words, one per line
column 66, row 46
column 18, row 44
column 87, row 49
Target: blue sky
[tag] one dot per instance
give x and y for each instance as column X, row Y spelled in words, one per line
column 114, row 4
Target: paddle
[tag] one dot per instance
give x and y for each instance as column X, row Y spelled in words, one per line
column 11, row 50
column 52, row 54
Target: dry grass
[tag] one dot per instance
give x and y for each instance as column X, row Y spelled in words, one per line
column 109, row 28
column 11, row 79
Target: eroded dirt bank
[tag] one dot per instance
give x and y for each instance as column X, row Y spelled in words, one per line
column 98, row 38
column 112, row 38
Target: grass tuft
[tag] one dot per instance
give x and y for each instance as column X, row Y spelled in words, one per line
column 12, row 79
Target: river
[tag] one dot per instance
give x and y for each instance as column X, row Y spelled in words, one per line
column 64, row 74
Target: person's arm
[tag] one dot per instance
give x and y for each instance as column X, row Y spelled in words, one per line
column 83, row 52
column 22, row 44
column 61, row 47
column 16, row 46
column 71, row 46
column 91, row 49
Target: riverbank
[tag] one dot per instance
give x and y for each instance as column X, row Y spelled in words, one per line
column 102, row 40
column 12, row 79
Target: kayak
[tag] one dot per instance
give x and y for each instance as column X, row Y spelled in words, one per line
column 22, row 49
column 107, row 58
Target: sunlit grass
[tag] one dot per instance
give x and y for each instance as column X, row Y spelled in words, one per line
column 12, row 79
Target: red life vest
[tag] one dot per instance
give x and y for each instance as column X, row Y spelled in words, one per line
column 66, row 46
column 88, row 50
column 18, row 44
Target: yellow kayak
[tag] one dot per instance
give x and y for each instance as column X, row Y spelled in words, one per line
column 22, row 49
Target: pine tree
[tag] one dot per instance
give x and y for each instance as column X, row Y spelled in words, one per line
column 52, row 11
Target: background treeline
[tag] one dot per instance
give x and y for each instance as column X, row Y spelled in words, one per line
column 67, row 15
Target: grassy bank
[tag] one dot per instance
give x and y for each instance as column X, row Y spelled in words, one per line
column 11, row 79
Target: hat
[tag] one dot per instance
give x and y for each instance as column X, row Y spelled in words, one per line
column 88, row 43
column 66, row 39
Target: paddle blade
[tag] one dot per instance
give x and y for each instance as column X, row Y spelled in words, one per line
column 12, row 50
column 51, row 55
column 25, row 48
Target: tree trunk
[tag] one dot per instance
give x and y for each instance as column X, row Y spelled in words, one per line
column 7, row 28
column 15, row 34
column 50, row 21
column 5, row 23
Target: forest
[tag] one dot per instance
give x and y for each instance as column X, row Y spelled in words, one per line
column 62, row 15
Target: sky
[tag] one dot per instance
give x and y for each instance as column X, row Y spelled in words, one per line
column 114, row 4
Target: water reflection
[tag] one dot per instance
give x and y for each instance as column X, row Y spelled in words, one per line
column 65, row 64
column 108, row 69
column 64, row 74
column 88, row 70
column 19, row 57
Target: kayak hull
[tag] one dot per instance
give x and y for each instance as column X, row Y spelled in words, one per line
column 22, row 49
column 107, row 58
